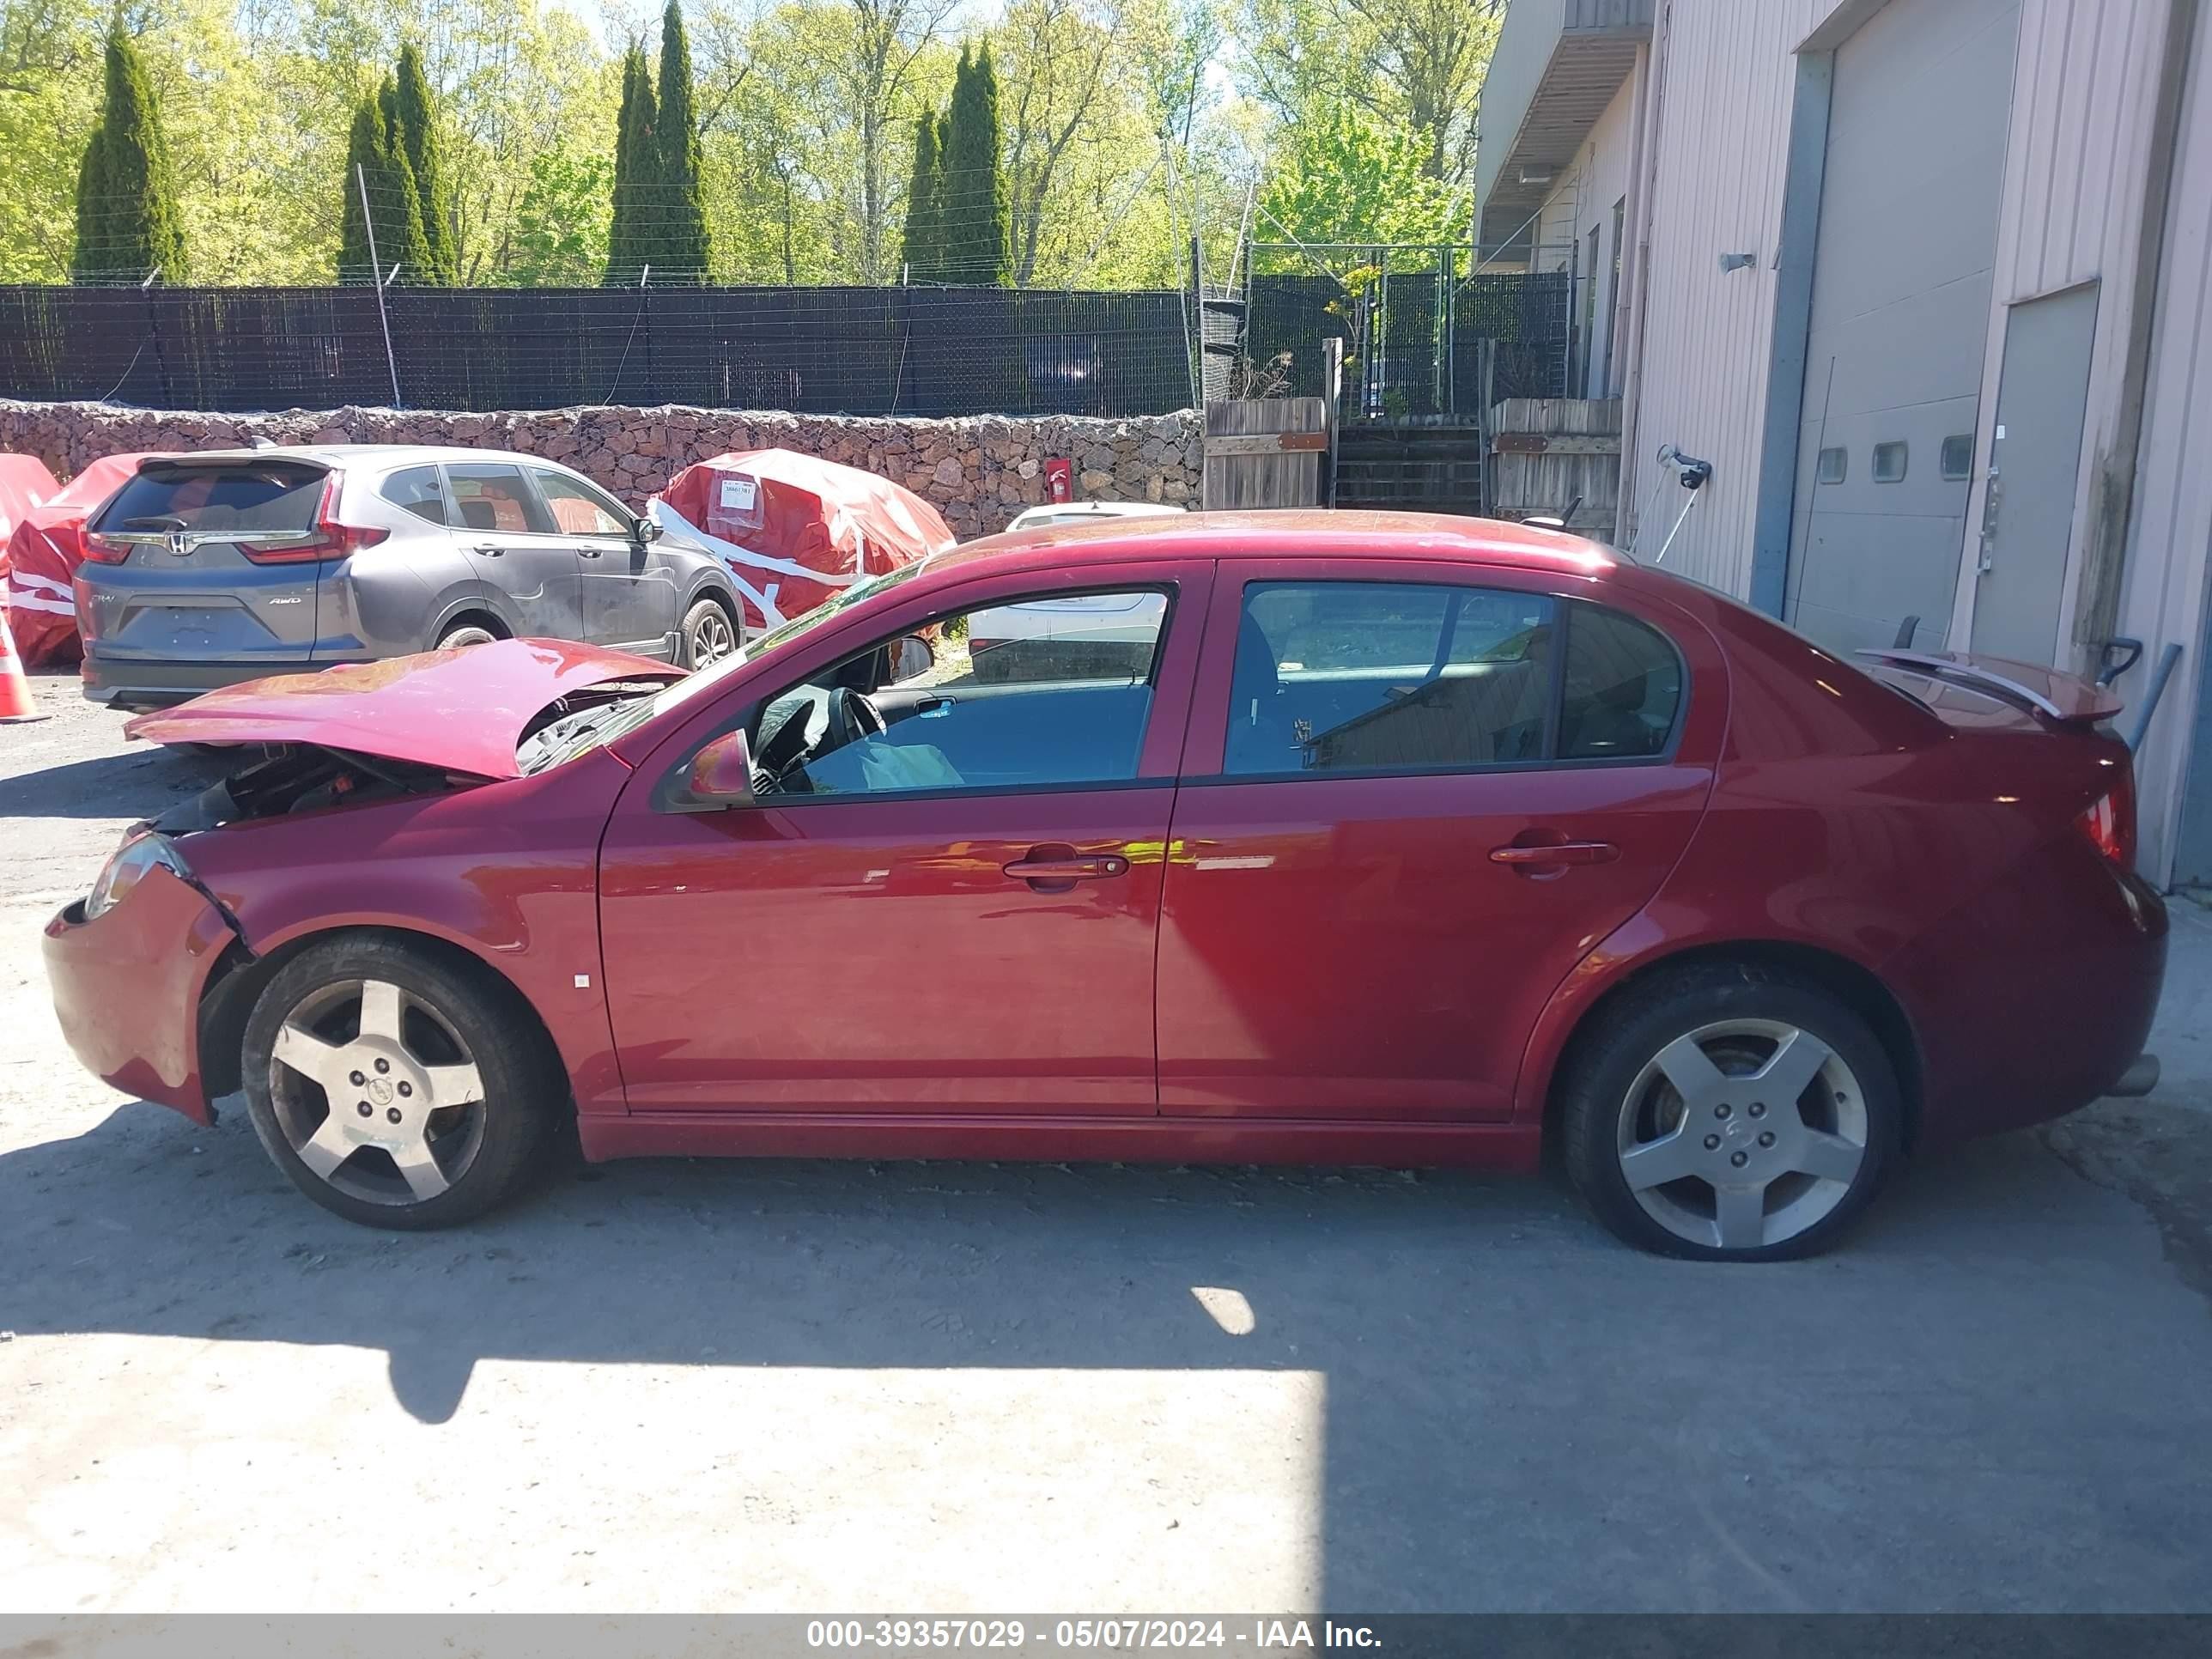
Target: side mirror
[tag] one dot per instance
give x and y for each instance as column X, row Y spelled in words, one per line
column 909, row 656
column 721, row 776
column 645, row 531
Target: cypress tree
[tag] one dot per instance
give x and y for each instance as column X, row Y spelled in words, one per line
column 127, row 222
column 375, row 148
column 683, row 248
column 925, row 229
column 418, row 121
column 976, row 213
column 637, row 167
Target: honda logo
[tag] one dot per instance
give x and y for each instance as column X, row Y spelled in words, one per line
column 178, row 543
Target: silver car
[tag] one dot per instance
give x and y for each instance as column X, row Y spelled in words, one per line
column 207, row 569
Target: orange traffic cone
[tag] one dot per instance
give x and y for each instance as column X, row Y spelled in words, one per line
column 15, row 702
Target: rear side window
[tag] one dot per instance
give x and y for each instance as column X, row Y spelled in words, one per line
column 1369, row 677
column 490, row 496
column 214, row 499
column 417, row 490
column 1623, row 687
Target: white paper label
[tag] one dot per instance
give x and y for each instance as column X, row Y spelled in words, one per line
column 739, row 494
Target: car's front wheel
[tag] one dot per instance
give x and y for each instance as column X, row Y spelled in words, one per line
column 708, row 635
column 1730, row 1113
column 395, row 1087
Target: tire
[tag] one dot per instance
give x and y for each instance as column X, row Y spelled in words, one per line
column 462, row 1033
column 1710, row 1172
column 464, row 634
column 709, row 636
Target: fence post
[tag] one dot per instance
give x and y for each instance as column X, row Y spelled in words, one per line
column 154, row 332
column 645, row 300
column 376, row 279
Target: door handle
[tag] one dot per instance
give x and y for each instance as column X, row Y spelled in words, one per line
column 1057, row 869
column 589, row 552
column 489, row 550
column 1556, row 853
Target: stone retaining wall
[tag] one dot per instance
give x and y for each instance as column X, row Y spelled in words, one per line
column 979, row 470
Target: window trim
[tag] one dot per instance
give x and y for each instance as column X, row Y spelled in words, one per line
column 672, row 783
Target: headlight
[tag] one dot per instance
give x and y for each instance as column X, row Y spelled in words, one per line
column 139, row 854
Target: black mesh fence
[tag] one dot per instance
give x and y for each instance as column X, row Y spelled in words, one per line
column 1427, row 338
column 812, row 351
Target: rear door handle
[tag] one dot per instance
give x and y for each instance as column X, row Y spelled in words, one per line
column 1565, row 851
column 489, row 550
column 1056, row 869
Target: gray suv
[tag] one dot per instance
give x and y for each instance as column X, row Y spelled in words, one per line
column 207, row 569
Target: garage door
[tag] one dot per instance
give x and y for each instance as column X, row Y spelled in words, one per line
column 1901, row 291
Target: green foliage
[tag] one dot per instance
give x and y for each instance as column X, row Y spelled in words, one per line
column 377, row 172
column 416, row 115
column 682, row 248
column 560, row 234
column 1350, row 177
column 630, row 239
column 127, row 223
column 924, row 228
column 975, row 196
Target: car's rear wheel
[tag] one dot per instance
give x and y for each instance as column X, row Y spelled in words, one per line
column 708, row 635
column 1730, row 1113
column 396, row 1088
column 464, row 634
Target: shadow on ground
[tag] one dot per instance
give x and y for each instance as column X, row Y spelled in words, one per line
column 1519, row 1412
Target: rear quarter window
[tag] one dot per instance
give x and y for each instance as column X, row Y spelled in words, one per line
column 1623, row 687
column 217, row 498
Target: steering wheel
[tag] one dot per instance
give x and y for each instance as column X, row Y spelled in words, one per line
column 853, row 717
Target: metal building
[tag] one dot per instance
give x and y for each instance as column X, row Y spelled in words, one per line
column 1927, row 282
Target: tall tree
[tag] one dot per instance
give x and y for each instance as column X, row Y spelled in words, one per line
column 974, row 193
column 418, row 121
column 684, row 249
column 925, row 223
column 132, row 227
column 873, row 73
column 377, row 172
column 637, row 168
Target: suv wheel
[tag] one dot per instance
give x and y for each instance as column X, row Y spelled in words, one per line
column 709, row 635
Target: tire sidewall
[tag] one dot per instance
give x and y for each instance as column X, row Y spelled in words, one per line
column 451, row 640
column 1602, row 1075
column 693, row 619
column 510, row 1065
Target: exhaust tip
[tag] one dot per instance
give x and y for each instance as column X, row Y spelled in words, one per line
column 2138, row 1081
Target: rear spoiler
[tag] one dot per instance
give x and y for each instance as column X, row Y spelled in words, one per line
column 2062, row 699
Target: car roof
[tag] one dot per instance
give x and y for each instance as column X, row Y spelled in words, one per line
column 355, row 455
column 1290, row 533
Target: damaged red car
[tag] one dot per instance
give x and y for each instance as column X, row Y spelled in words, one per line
column 1390, row 839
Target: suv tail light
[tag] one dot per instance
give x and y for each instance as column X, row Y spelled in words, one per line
column 331, row 539
column 2110, row 823
column 99, row 549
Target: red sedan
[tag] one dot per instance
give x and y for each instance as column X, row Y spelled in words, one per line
column 1400, row 841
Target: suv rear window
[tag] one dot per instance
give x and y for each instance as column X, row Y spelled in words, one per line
column 217, row 498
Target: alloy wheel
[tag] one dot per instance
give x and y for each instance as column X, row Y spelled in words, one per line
column 376, row 1093
column 712, row 638
column 1743, row 1134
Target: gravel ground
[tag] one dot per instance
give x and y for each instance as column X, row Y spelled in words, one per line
column 816, row 1386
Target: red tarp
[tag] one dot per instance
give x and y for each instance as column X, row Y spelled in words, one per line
column 44, row 551
column 793, row 529
column 24, row 484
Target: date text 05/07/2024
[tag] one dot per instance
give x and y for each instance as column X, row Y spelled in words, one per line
column 1252, row 1635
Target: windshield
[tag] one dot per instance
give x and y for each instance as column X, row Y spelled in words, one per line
column 601, row 728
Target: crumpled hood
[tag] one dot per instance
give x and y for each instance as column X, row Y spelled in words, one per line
column 463, row 709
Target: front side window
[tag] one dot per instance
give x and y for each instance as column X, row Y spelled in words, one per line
column 1368, row 676
column 578, row 509
column 1074, row 713
column 494, row 496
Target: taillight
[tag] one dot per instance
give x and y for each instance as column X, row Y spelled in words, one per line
column 331, row 539
column 100, row 550
column 2110, row 823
